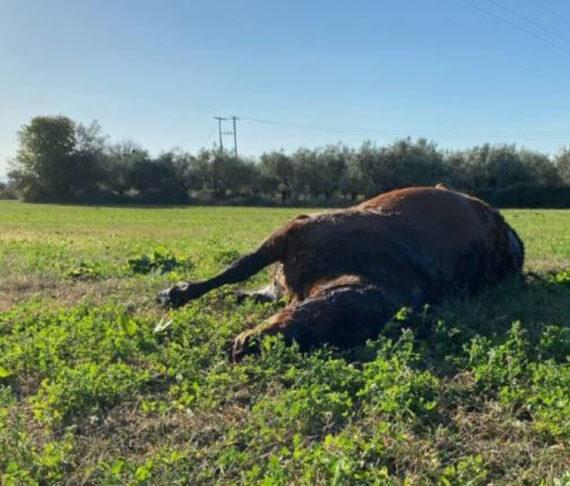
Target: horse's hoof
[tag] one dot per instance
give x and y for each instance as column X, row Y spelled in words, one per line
column 246, row 343
column 172, row 297
column 239, row 348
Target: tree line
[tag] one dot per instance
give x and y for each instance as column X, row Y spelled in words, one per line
column 60, row 160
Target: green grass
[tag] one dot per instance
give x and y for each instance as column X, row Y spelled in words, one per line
column 471, row 392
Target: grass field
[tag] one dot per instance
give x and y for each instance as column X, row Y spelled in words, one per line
column 468, row 393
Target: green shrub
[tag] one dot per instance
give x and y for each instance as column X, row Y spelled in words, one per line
column 555, row 343
column 161, row 261
column 394, row 386
column 85, row 270
column 497, row 366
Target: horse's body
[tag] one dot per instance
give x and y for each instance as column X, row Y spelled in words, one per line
column 348, row 271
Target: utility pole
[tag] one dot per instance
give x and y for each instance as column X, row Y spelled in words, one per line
column 234, row 119
column 221, row 133
column 220, row 119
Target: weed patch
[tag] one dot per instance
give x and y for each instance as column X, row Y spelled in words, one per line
column 161, row 261
column 85, row 270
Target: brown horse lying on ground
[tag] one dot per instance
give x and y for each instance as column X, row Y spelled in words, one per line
column 347, row 272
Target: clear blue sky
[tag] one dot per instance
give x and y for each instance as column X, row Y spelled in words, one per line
column 158, row 71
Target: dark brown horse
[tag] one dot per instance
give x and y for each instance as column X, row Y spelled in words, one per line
column 347, row 272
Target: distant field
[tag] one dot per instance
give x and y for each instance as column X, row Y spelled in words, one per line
column 473, row 391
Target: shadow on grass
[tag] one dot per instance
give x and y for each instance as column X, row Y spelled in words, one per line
column 444, row 330
column 536, row 302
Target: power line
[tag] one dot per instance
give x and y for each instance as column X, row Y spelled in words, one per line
column 530, row 21
column 516, row 26
column 551, row 133
column 301, row 126
column 550, row 11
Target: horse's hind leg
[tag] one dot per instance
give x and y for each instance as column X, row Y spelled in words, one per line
column 341, row 316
